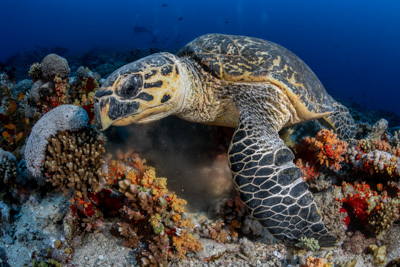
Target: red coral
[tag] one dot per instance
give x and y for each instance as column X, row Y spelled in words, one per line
column 325, row 149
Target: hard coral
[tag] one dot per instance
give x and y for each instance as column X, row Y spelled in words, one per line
column 53, row 65
column 66, row 117
column 74, row 161
column 8, row 166
column 383, row 217
column 35, row 71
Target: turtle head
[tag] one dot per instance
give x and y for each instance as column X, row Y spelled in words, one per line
column 146, row 90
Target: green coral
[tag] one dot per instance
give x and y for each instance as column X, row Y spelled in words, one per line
column 308, row 243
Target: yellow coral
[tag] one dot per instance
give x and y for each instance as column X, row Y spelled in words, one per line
column 177, row 204
column 185, row 243
column 176, row 217
column 160, row 182
column 131, row 176
column 148, row 178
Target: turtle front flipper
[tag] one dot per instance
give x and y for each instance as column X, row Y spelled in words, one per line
column 271, row 185
column 341, row 120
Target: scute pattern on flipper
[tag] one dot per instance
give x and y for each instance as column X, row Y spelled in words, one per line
column 284, row 206
column 342, row 121
column 270, row 184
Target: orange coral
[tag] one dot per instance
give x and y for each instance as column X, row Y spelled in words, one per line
column 315, row 262
column 325, row 149
column 184, row 243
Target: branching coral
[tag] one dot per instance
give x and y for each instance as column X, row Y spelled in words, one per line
column 74, row 161
column 384, row 215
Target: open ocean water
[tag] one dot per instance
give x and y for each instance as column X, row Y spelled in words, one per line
column 352, row 46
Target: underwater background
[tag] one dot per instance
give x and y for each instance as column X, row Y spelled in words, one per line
column 162, row 194
column 352, row 46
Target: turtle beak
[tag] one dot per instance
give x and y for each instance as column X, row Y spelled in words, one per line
column 102, row 121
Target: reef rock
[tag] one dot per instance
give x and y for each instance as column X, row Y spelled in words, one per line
column 62, row 118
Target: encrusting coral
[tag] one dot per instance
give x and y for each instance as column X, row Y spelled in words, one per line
column 74, row 161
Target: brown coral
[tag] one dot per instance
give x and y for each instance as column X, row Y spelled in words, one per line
column 357, row 244
column 384, row 215
column 74, row 161
column 35, row 71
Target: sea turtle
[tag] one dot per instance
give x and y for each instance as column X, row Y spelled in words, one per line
column 254, row 85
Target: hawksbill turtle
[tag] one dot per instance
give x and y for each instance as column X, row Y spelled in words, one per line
column 251, row 84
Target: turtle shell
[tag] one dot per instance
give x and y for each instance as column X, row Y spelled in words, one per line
column 247, row 59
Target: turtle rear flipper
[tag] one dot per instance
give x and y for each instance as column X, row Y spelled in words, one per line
column 270, row 184
column 341, row 121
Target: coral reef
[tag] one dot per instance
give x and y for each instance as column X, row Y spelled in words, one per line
column 66, row 117
column 151, row 213
column 14, row 127
column 376, row 161
column 74, row 161
column 355, row 184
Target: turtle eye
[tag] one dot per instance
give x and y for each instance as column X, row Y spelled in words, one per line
column 130, row 87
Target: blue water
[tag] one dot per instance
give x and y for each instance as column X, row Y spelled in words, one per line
column 352, row 46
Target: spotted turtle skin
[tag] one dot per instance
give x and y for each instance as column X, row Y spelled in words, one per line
column 251, row 84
